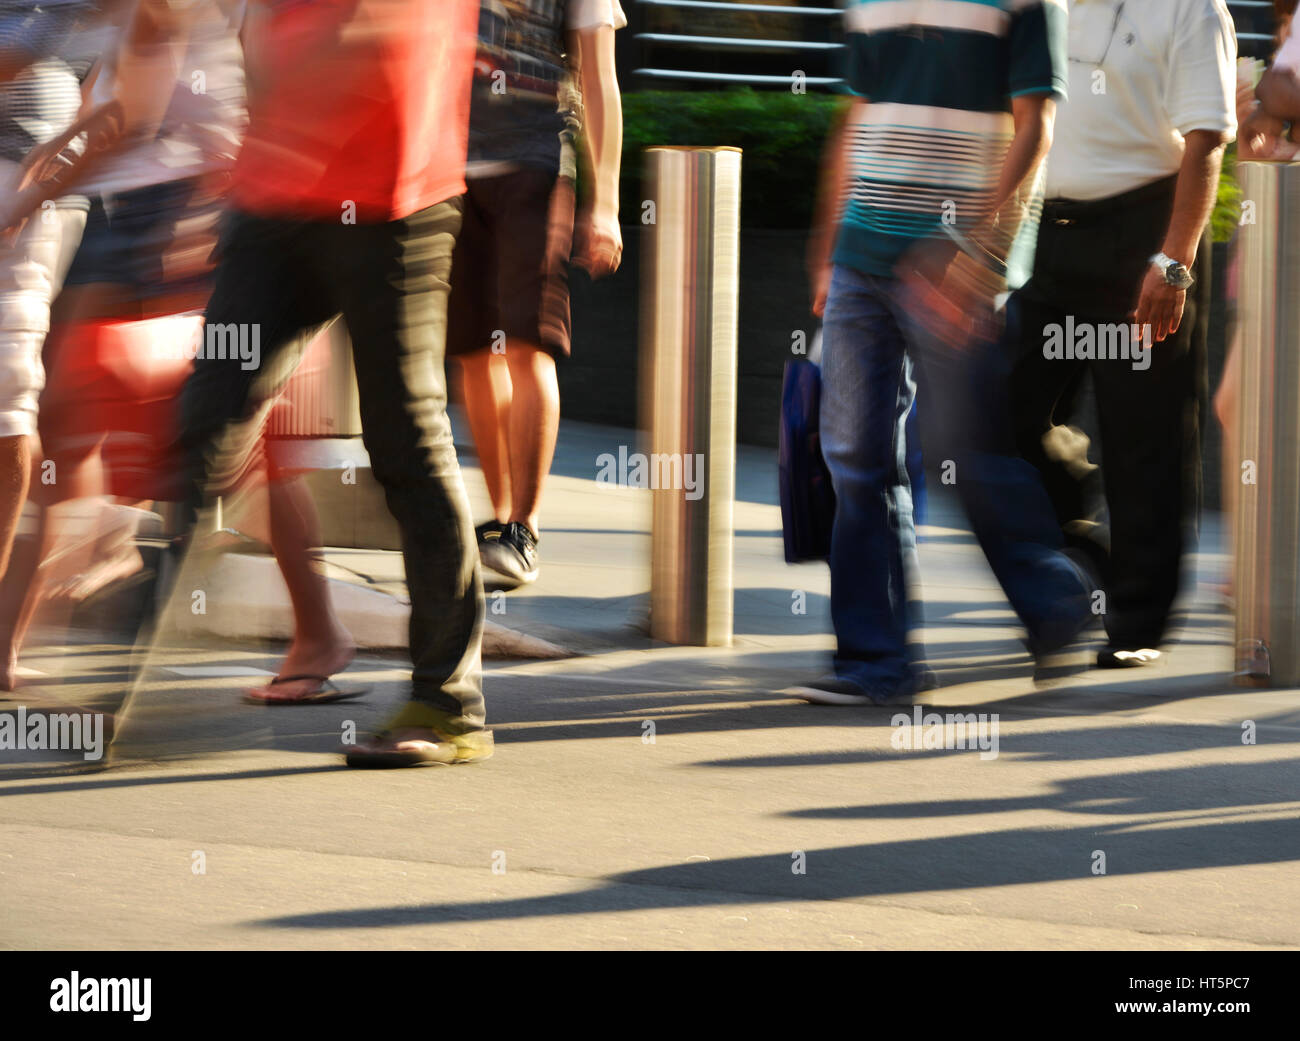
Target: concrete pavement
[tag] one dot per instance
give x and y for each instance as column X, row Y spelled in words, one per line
column 667, row 797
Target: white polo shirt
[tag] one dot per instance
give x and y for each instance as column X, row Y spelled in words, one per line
column 1142, row 74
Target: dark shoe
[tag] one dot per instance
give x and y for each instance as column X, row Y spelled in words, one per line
column 489, row 531
column 1127, row 658
column 924, row 678
column 1060, row 646
column 1054, row 661
column 1060, row 664
column 513, row 554
column 410, row 746
column 489, row 536
column 834, row 691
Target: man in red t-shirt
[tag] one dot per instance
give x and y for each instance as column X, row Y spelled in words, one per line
column 346, row 201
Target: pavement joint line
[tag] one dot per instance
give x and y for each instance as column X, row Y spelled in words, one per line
column 1266, row 811
column 764, row 697
column 1139, row 713
column 726, row 897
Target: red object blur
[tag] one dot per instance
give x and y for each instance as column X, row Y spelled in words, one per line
column 121, row 380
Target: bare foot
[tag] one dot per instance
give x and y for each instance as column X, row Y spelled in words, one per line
column 312, row 659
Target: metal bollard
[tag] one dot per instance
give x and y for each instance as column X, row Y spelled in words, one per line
column 1267, row 523
column 690, row 294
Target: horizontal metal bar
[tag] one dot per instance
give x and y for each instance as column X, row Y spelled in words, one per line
column 727, row 77
column 738, row 41
column 709, row 5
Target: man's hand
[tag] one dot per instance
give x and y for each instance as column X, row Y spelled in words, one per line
column 1160, row 305
column 1259, row 134
column 950, row 294
column 821, row 288
column 597, row 238
column 597, row 243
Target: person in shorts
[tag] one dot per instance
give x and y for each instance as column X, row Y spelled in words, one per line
column 542, row 70
column 39, row 98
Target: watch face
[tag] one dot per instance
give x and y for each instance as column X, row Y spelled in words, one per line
column 1177, row 275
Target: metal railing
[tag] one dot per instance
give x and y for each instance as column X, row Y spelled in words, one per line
column 1254, row 21
column 677, row 55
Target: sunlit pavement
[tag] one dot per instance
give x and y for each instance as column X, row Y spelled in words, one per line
column 667, row 797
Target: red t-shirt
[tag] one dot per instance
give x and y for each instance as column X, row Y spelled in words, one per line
column 355, row 107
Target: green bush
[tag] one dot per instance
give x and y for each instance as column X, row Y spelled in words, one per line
column 1227, row 207
column 782, row 136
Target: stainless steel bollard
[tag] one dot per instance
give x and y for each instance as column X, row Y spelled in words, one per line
column 1267, row 523
column 689, row 299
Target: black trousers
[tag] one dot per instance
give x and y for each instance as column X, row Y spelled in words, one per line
column 1089, row 267
column 390, row 283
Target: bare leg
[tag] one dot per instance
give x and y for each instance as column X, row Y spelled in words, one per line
column 486, row 388
column 18, row 558
column 22, row 587
column 321, row 645
column 15, row 467
column 534, row 424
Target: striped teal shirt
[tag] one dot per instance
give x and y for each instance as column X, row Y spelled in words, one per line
column 928, row 147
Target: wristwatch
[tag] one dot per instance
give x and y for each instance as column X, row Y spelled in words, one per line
column 1176, row 274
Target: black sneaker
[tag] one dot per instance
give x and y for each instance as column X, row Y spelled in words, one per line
column 1061, row 646
column 831, row 690
column 489, row 531
column 512, row 554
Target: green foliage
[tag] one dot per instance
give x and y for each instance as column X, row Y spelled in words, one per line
column 781, row 134
column 1227, row 207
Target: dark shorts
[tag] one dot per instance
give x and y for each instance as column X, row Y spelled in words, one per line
column 509, row 271
column 156, row 240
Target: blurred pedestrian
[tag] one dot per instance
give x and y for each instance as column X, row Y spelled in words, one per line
column 939, row 153
column 1263, row 140
column 1278, row 91
column 345, row 199
column 39, row 98
column 155, row 182
column 1124, row 247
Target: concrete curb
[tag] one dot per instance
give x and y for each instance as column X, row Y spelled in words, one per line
column 245, row 598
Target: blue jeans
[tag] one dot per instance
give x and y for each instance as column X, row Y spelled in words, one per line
column 873, row 353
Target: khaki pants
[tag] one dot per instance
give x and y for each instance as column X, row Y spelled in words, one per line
column 32, row 269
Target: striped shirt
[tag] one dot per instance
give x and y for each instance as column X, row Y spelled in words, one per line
column 927, row 149
column 42, row 100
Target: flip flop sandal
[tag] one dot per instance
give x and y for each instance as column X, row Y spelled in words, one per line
column 326, row 691
column 438, row 753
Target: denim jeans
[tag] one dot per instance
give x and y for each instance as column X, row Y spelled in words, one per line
column 874, row 352
column 390, row 283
